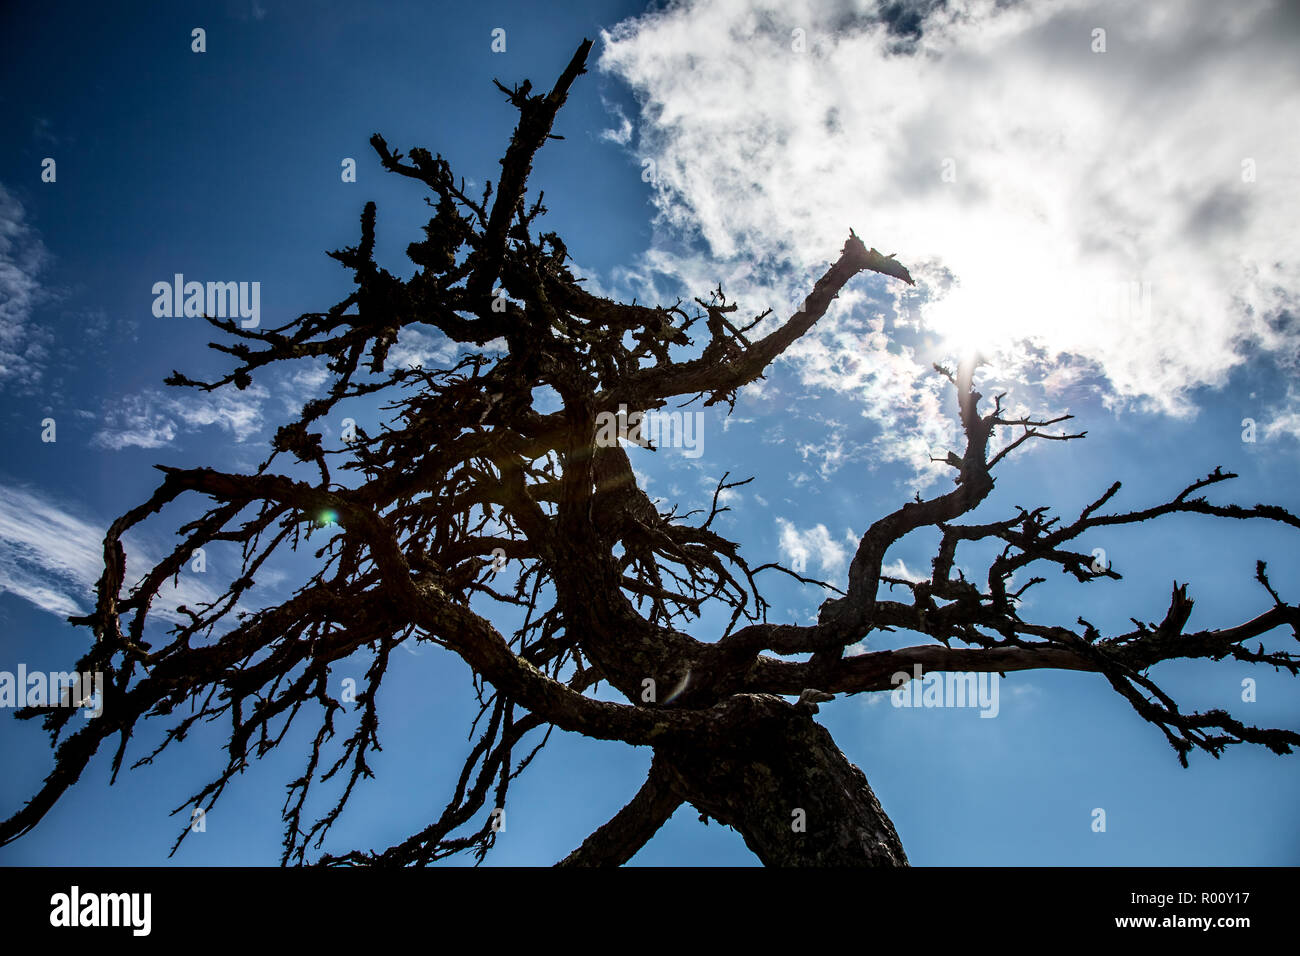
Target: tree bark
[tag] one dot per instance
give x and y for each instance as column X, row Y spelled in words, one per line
column 775, row 775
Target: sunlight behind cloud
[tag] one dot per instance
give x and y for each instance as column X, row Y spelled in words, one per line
column 1130, row 211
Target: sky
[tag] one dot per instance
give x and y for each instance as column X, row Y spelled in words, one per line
column 1100, row 197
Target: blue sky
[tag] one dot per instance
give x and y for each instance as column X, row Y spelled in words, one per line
column 1023, row 175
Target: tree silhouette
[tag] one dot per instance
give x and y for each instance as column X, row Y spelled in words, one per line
column 469, row 474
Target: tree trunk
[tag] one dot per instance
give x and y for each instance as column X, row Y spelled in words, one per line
column 775, row 775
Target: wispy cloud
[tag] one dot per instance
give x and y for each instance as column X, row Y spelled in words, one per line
column 1285, row 419
column 152, row 419
column 623, row 134
column 52, row 557
column 24, row 347
column 301, row 386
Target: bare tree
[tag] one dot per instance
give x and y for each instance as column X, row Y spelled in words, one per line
column 468, row 472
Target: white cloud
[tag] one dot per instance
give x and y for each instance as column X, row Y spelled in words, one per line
column 152, row 419
column 23, row 346
column 52, row 557
column 428, row 349
column 302, row 386
column 1286, row 419
column 310, row 379
column 621, row 136
column 797, row 547
column 1079, row 176
column 897, row 569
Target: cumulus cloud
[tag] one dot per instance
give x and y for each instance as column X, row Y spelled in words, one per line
column 1120, row 220
column 798, row 547
column 416, row 346
column 897, row 569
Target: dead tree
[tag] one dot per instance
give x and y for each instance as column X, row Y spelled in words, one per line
column 467, row 471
